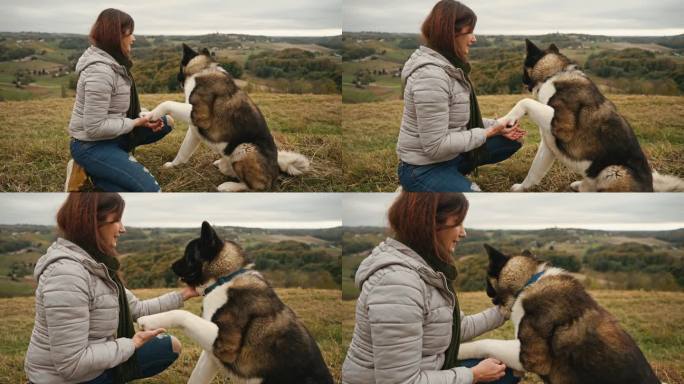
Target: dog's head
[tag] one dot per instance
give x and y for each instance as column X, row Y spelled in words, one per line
column 208, row 257
column 193, row 62
column 507, row 275
column 542, row 64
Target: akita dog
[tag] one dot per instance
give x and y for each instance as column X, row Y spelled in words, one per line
column 582, row 129
column 245, row 328
column 227, row 120
column 562, row 334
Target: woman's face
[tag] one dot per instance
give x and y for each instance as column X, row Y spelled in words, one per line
column 465, row 37
column 451, row 233
column 126, row 42
column 111, row 229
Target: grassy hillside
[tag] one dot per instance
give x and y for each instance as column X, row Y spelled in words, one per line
column 370, row 132
column 35, row 146
column 320, row 311
column 652, row 318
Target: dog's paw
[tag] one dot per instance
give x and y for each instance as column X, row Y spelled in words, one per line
column 518, row 188
column 230, row 186
column 575, row 185
column 168, row 165
column 151, row 322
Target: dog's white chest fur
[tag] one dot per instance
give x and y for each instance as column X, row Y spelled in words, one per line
column 216, row 299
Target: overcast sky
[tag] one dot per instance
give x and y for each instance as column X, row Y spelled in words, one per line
column 541, row 210
column 175, row 17
column 527, row 17
column 267, row 210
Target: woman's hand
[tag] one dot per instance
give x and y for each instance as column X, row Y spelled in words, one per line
column 514, row 132
column 142, row 337
column 145, row 122
column 188, row 292
column 488, row 370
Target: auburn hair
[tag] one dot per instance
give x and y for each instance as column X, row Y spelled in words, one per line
column 416, row 217
column 444, row 23
column 81, row 215
column 109, row 29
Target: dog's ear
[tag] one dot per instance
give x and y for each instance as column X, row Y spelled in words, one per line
column 206, row 52
column 532, row 50
column 209, row 237
column 527, row 253
column 497, row 260
column 188, row 53
column 553, row 48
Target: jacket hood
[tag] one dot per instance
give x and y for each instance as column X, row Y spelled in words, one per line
column 94, row 55
column 426, row 56
column 65, row 249
column 392, row 252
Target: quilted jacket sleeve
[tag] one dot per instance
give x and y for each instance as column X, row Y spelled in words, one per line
column 473, row 326
column 66, row 299
column 163, row 303
column 395, row 313
column 431, row 98
column 99, row 85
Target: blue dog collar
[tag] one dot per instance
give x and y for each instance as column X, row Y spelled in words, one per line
column 223, row 280
column 531, row 281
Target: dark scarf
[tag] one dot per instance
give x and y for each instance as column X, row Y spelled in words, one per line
column 134, row 137
column 475, row 121
column 449, row 271
column 125, row 328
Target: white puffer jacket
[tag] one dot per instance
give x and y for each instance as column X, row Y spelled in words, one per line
column 103, row 94
column 403, row 322
column 436, row 111
column 77, row 314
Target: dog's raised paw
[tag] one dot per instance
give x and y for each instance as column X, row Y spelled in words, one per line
column 150, row 322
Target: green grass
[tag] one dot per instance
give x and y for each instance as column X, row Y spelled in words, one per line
column 319, row 310
column 35, row 148
column 370, row 132
column 653, row 319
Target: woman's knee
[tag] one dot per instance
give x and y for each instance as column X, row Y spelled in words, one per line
column 176, row 345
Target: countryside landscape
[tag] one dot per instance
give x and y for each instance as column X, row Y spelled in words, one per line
column 302, row 264
column 296, row 82
column 643, row 76
column 637, row 276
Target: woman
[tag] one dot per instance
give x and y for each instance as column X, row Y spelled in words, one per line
column 408, row 323
column 443, row 136
column 83, row 330
column 104, row 124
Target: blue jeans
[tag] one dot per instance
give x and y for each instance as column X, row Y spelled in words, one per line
column 448, row 176
column 109, row 164
column 507, row 379
column 153, row 357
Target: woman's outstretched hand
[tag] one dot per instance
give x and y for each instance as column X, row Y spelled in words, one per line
column 188, row 292
column 511, row 131
column 142, row 337
column 488, row 370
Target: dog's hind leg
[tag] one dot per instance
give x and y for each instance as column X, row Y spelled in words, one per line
column 187, row 148
column 507, row 351
column 202, row 331
column 205, row 369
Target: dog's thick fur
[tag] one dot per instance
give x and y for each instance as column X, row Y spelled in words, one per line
column 562, row 334
column 582, row 129
column 245, row 328
column 223, row 116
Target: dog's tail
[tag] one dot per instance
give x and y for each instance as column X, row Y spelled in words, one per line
column 667, row 183
column 293, row 163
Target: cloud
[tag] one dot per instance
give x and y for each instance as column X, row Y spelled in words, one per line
column 277, row 210
column 269, row 17
column 612, row 17
column 541, row 210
